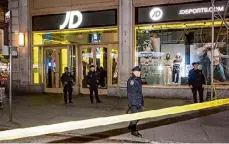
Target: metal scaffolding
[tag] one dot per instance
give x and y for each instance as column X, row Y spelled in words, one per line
column 216, row 15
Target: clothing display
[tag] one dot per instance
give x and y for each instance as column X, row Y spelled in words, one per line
column 176, row 69
column 167, row 70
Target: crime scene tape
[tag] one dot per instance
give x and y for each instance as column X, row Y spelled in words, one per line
column 89, row 123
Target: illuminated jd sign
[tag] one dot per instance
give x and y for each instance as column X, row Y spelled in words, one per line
column 156, row 14
column 201, row 10
column 69, row 20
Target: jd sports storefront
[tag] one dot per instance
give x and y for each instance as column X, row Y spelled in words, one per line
column 169, row 38
column 76, row 40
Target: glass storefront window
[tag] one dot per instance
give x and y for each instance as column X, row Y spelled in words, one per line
column 114, row 65
column 36, row 77
column 87, row 61
column 107, row 69
column 95, row 56
column 166, row 55
column 56, row 59
column 50, row 68
column 84, row 42
column 63, row 62
column 101, row 65
column 73, row 60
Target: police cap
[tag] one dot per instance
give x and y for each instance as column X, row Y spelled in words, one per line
column 195, row 63
column 136, row 68
column 92, row 66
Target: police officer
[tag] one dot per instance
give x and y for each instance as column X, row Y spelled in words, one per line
column 196, row 81
column 68, row 81
column 135, row 98
column 93, row 84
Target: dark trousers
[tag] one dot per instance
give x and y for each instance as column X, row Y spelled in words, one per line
column 67, row 91
column 94, row 90
column 175, row 75
column 200, row 89
column 133, row 124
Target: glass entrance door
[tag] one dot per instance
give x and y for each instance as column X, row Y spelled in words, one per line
column 96, row 55
column 56, row 59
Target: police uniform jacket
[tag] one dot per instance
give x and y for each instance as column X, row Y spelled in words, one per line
column 196, row 78
column 93, row 79
column 134, row 92
column 67, row 78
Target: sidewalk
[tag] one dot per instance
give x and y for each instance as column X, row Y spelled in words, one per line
column 209, row 129
column 49, row 109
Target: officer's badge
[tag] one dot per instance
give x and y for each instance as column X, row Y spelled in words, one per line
column 131, row 82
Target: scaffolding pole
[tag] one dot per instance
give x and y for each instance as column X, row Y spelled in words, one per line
column 212, row 49
column 214, row 41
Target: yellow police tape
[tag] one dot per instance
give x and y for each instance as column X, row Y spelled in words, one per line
column 89, row 123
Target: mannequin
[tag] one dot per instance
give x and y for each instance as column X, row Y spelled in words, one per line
column 167, row 69
column 176, row 68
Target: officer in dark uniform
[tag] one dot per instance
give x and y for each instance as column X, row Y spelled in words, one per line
column 68, row 81
column 135, row 98
column 196, row 81
column 93, row 84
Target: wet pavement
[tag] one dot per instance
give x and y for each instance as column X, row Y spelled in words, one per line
column 49, row 109
column 209, row 129
column 37, row 110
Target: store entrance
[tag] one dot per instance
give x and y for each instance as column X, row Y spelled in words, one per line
column 97, row 55
column 55, row 59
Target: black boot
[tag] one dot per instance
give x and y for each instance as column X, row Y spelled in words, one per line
column 99, row 101
column 130, row 127
column 134, row 132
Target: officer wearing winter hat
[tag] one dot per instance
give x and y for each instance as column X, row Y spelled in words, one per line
column 196, row 82
column 135, row 98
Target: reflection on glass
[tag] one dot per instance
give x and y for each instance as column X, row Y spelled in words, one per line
column 114, row 66
column 184, row 46
column 50, row 68
column 101, row 66
column 87, row 61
